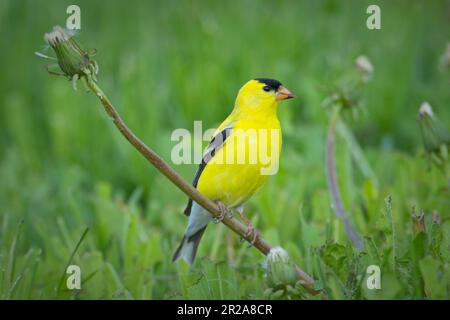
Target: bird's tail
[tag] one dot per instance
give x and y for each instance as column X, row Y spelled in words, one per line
column 188, row 247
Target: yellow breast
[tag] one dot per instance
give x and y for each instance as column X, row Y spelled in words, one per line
column 248, row 157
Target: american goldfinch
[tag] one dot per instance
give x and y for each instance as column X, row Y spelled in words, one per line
column 235, row 164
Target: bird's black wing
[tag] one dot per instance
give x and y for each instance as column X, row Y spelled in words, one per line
column 215, row 144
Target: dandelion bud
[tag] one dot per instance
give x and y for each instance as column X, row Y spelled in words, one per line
column 425, row 110
column 435, row 217
column 365, row 67
column 280, row 270
column 73, row 61
column 445, row 59
column 436, row 137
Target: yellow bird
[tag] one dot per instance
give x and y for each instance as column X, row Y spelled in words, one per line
column 242, row 154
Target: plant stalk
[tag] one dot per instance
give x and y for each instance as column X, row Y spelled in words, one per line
column 338, row 206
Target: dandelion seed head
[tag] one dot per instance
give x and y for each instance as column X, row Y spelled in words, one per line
column 425, row 110
column 364, row 66
column 58, row 35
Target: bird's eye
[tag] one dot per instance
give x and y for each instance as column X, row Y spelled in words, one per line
column 266, row 88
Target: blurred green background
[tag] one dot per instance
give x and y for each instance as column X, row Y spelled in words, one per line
column 65, row 167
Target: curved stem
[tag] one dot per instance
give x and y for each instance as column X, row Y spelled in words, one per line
column 333, row 184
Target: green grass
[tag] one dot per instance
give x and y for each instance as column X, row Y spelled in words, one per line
column 64, row 167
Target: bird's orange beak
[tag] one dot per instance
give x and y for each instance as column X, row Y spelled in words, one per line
column 283, row 94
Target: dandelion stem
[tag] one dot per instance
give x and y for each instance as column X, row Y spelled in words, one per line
column 333, row 184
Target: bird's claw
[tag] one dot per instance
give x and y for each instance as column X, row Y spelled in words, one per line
column 253, row 233
column 224, row 211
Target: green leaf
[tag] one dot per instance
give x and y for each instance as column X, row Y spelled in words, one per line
column 436, row 281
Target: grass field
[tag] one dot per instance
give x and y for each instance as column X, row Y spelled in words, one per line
column 64, row 167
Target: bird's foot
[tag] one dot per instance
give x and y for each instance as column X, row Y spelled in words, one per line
column 224, row 212
column 251, row 233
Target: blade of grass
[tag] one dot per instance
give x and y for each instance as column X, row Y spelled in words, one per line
column 356, row 151
column 388, row 208
column 27, row 258
column 12, row 258
column 63, row 275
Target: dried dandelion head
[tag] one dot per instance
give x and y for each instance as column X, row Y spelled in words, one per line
column 364, row 67
column 73, row 61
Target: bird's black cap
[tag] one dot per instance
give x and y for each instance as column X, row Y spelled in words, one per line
column 272, row 83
